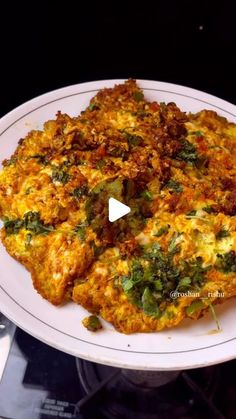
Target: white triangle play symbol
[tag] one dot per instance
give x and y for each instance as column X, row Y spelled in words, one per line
column 116, row 209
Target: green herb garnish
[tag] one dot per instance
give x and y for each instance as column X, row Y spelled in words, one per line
column 12, row 226
column 93, row 107
column 191, row 213
column 28, row 190
column 197, row 217
column 79, row 192
column 92, row 323
column 163, row 106
column 227, row 262
column 147, row 195
column 162, row 231
column 67, row 163
column 184, row 282
column 153, row 252
column 80, row 229
column 194, row 269
column 127, row 283
column 154, row 275
column 97, row 250
column 209, row 209
column 194, row 307
column 197, row 133
column 199, row 305
column 28, row 239
column 149, row 304
column 33, row 223
column 138, row 95
column 222, row 234
column 133, row 140
column 188, row 152
column 174, row 186
column 130, row 188
column 169, row 314
column 214, row 316
column 158, row 286
column 100, row 164
column 173, row 247
column 41, row 158
column 59, row 174
column 9, row 162
column 80, row 162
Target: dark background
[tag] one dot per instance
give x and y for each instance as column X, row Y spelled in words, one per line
column 47, row 45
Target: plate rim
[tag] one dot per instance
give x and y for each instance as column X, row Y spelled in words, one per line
column 108, row 359
column 53, row 92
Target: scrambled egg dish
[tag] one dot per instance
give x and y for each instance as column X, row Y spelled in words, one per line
column 173, row 256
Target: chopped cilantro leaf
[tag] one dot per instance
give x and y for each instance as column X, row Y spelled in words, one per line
column 188, row 152
column 9, row 162
column 154, row 275
column 138, row 95
column 194, row 307
column 169, row 314
column 174, row 186
column 41, row 158
column 92, row 323
column 222, row 234
column 133, row 140
column 12, row 226
column 202, row 162
column 97, row 250
column 100, row 164
column 33, row 223
column 162, row 231
column 214, row 316
column 195, row 270
column 197, row 133
column 28, row 190
column 149, row 304
column 158, row 285
column 227, row 262
column 209, row 209
column 184, row 282
column 60, row 175
column 191, row 213
column 163, row 106
column 147, row 195
column 127, row 284
column 174, row 248
column 80, row 229
column 79, row 192
column 93, row 107
column 28, row 239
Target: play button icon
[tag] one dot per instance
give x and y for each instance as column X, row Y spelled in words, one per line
column 116, row 209
column 104, row 209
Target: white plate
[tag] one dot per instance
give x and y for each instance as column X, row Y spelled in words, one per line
column 191, row 344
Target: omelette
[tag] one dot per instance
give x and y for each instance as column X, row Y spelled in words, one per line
column 172, row 257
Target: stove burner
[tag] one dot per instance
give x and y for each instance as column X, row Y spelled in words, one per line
column 149, row 379
column 50, row 383
column 122, row 393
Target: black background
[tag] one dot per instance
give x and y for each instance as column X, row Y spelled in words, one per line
column 47, row 45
